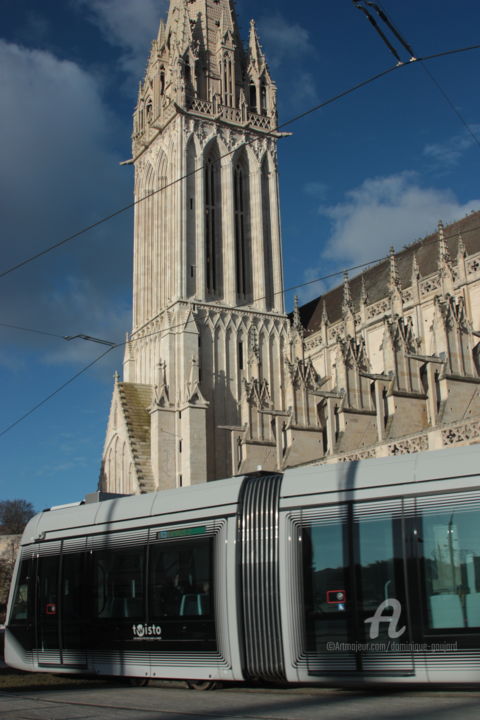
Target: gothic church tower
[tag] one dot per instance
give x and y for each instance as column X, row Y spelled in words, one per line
column 209, row 329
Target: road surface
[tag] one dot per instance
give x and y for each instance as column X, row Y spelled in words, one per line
column 112, row 701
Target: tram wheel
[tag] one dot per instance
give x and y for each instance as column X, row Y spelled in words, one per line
column 201, row 684
column 138, row 681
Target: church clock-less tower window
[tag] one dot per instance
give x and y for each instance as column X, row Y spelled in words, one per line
column 228, row 81
column 242, row 231
column 213, row 223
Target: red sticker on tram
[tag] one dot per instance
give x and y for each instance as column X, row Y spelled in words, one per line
column 336, row 597
column 51, row 609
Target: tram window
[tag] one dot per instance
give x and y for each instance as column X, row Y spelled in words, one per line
column 325, row 571
column 350, row 569
column 181, row 582
column 451, row 562
column 48, row 586
column 119, row 583
column 380, row 572
column 73, row 573
column 74, row 593
column 377, row 563
column 21, row 606
column 48, row 609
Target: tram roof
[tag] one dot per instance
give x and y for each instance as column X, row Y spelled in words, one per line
column 449, row 463
column 221, row 497
column 201, row 500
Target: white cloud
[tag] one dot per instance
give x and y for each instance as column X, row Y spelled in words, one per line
column 130, row 25
column 90, row 313
column 449, row 153
column 314, row 289
column 316, row 190
column 386, row 211
column 47, row 106
column 35, row 29
column 284, row 40
column 59, row 174
column 286, row 45
column 303, row 92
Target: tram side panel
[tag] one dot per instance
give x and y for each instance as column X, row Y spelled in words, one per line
column 380, row 578
column 20, row 628
column 159, row 601
column 346, row 562
column 176, row 627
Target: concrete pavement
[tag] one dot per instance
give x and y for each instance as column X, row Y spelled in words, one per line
column 160, row 703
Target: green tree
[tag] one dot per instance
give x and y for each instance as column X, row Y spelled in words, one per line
column 7, row 565
column 14, row 515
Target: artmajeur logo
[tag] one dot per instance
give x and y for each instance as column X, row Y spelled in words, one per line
column 392, row 620
column 146, row 632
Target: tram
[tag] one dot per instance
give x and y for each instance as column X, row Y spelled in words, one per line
column 347, row 573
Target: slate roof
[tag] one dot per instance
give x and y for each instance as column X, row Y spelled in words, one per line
column 135, row 400
column 377, row 277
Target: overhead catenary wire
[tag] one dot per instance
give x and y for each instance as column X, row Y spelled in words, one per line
column 112, row 347
column 81, row 372
column 336, row 273
column 10, row 326
column 450, row 102
column 378, row 29
column 307, row 283
column 306, row 113
column 331, row 275
column 382, row 14
column 55, row 392
column 384, row 17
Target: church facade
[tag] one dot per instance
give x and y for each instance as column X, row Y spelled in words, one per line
column 217, row 379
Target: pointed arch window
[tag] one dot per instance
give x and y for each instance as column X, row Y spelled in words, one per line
column 267, row 234
column 213, row 221
column 191, row 194
column 197, row 77
column 162, row 81
column 253, row 97
column 188, row 71
column 228, row 83
column 263, row 98
column 242, row 231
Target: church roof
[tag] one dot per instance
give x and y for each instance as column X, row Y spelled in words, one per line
column 376, row 279
column 136, row 400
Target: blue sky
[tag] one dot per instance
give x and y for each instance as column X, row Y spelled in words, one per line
column 376, row 169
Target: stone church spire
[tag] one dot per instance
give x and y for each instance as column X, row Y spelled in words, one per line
column 255, row 52
column 207, row 243
column 443, row 252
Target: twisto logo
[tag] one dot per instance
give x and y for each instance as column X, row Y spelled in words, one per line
column 146, row 632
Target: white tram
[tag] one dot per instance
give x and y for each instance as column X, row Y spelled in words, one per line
column 363, row 572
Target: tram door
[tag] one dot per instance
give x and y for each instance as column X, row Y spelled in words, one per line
column 48, row 642
column 61, row 608
column 355, row 594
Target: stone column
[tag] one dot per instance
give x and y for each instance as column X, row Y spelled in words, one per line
column 228, row 233
column 164, row 447
column 277, row 262
column 193, row 458
column 330, row 421
column 257, row 239
column 200, row 229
